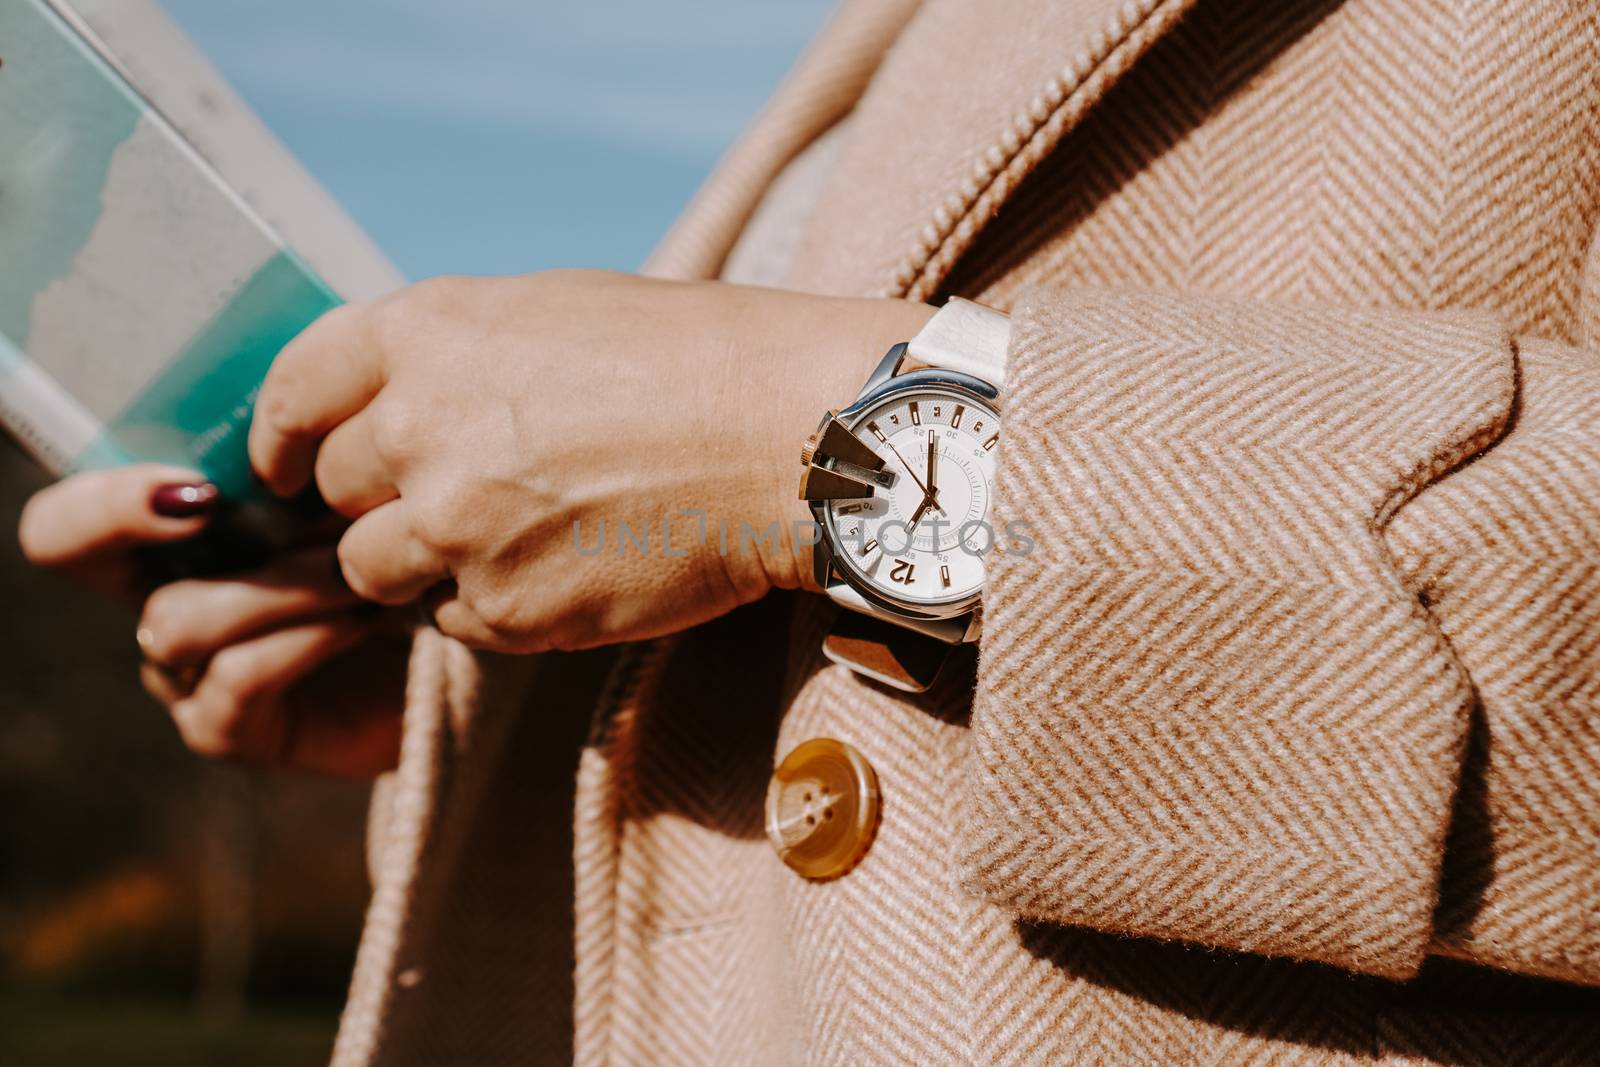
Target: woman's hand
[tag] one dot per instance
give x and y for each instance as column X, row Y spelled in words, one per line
column 480, row 431
column 90, row 525
column 281, row 666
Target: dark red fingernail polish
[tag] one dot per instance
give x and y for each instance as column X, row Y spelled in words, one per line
column 182, row 500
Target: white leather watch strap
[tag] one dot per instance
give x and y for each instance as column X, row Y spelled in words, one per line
column 966, row 337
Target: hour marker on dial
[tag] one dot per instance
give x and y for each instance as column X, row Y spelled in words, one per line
column 933, row 456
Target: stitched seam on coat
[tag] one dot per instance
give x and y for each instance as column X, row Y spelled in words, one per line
column 1061, row 92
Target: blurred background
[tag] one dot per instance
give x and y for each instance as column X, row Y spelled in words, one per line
column 158, row 910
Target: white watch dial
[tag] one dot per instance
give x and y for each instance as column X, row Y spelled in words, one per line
column 923, row 540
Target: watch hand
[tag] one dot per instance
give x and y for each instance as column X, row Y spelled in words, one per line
column 932, row 490
column 926, row 495
column 916, row 516
column 909, row 471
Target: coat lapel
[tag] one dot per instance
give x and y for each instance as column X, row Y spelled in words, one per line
column 966, row 103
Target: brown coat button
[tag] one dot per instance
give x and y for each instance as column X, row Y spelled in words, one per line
column 822, row 808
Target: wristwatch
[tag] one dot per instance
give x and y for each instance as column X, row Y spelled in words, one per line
column 900, row 484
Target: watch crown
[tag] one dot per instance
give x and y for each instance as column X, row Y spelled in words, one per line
column 809, row 449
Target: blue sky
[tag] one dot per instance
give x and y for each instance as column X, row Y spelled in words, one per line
column 501, row 136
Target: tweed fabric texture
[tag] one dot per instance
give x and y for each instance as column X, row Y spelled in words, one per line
column 436, row 923
column 1365, row 153
column 1506, row 552
column 1382, row 193
column 916, row 164
column 1279, row 171
column 1208, row 708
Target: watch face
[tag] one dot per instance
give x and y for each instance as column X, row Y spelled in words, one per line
column 923, row 540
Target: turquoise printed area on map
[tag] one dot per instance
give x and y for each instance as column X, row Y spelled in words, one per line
column 196, row 413
column 66, row 114
column 64, row 117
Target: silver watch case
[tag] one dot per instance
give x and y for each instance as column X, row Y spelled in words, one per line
column 953, row 623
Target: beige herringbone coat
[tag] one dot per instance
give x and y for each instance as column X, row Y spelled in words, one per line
column 1284, row 746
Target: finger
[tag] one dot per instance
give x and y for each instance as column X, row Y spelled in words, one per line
column 168, row 684
column 384, row 560
column 188, row 621
column 234, row 711
column 100, row 512
column 351, row 472
column 455, row 618
column 321, row 378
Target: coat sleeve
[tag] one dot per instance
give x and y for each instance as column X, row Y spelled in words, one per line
column 1311, row 595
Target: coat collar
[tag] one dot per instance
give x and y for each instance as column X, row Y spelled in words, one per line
column 969, row 99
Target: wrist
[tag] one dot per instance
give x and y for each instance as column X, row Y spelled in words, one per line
column 845, row 339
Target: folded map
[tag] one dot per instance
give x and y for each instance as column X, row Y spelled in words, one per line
column 142, row 297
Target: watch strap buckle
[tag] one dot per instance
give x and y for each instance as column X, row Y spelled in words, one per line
column 900, row 658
